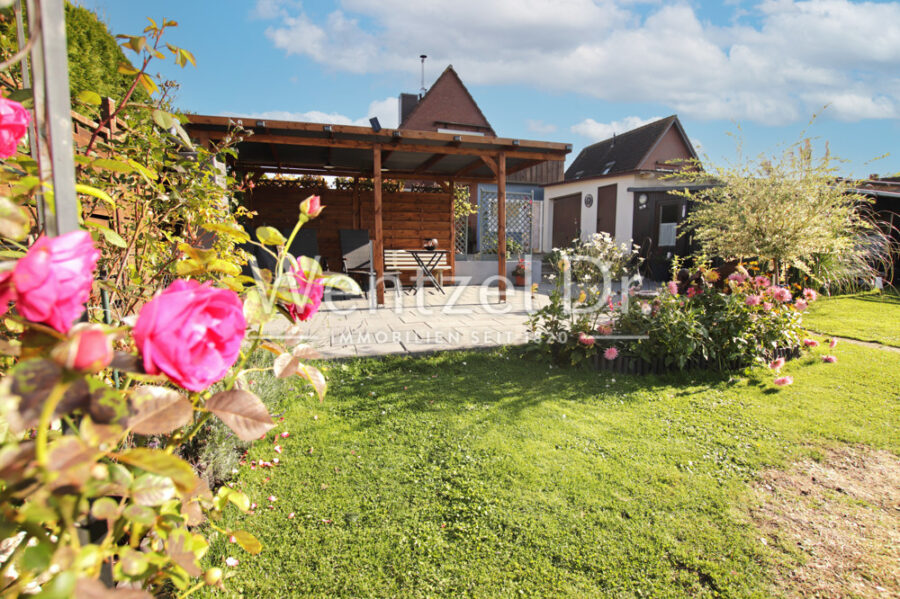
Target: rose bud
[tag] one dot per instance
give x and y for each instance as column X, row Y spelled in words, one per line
column 311, row 206
column 88, row 349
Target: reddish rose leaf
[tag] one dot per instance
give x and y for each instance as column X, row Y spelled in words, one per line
column 32, row 381
column 158, row 410
column 243, row 412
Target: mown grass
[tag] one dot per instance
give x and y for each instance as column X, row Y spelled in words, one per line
column 865, row 316
column 486, row 475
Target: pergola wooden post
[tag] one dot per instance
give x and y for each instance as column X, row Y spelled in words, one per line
column 378, row 249
column 501, row 223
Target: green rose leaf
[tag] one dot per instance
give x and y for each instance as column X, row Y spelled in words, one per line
column 109, row 235
column 152, row 489
column 89, row 97
column 164, row 464
column 243, row 412
column 270, row 236
column 140, row 514
column 105, row 508
column 343, row 283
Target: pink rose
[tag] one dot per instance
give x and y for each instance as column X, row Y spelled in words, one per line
column 784, row 381
column 14, row 121
column 829, row 359
column 585, row 340
column 611, row 354
column 311, row 206
column 777, row 364
column 7, row 290
column 313, row 291
column 672, row 286
column 191, row 332
column 89, row 349
column 53, row 280
column 752, row 300
column 810, row 294
column 800, row 304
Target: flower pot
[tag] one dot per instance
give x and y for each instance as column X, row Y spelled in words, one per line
column 519, row 280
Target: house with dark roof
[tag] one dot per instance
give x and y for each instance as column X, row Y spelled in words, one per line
column 448, row 107
column 617, row 185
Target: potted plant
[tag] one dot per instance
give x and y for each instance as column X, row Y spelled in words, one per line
column 519, row 273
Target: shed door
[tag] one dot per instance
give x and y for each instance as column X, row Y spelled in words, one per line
column 606, row 209
column 566, row 219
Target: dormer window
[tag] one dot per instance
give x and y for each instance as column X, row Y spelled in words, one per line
column 608, row 167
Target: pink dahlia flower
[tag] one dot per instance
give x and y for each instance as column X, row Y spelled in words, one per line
column 776, row 364
column 762, row 281
column 611, row 353
column 801, row 304
column 752, row 300
column 672, row 286
column 810, row 294
column 780, row 294
column 585, row 340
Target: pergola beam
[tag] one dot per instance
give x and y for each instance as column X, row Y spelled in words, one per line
column 359, row 144
column 430, row 162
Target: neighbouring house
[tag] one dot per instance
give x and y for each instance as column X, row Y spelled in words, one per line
column 617, row 185
column 448, row 107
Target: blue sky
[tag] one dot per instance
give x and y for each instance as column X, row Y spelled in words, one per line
column 573, row 71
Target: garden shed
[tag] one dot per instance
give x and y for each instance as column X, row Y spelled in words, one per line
column 395, row 220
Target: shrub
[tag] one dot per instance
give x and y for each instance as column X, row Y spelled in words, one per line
column 724, row 324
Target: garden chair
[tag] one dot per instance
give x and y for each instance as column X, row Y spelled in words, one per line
column 356, row 251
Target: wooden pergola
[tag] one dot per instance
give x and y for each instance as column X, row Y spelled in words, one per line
column 347, row 151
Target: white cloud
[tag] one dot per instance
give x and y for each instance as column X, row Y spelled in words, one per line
column 800, row 55
column 386, row 110
column 599, row 131
column 539, row 126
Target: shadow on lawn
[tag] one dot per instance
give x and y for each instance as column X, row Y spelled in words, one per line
column 499, row 381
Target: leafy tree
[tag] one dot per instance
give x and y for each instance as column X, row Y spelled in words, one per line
column 94, row 54
column 788, row 211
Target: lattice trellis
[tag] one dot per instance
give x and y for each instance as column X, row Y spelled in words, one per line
column 520, row 215
column 462, row 235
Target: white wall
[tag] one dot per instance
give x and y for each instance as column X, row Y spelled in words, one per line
column 624, row 206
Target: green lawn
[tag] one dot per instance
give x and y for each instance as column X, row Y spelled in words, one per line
column 486, row 475
column 865, row 316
